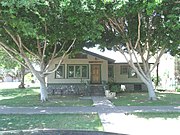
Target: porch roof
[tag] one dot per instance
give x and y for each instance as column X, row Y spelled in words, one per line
column 110, row 61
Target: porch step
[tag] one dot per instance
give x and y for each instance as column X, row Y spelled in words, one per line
column 96, row 90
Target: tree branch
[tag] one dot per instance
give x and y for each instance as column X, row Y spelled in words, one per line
column 139, row 30
column 117, row 26
column 60, row 61
column 39, row 48
column 52, row 58
column 30, row 52
column 122, row 52
column 13, row 38
column 10, row 52
column 45, row 43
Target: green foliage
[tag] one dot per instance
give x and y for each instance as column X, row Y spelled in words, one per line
column 114, row 87
column 55, row 21
column 177, row 89
column 154, row 79
column 6, row 62
column 40, row 31
column 159, row 24
column 28, row 78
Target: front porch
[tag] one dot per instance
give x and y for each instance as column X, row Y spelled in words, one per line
column 83, row 89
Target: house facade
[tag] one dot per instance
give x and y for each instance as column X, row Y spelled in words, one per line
column 88, row 73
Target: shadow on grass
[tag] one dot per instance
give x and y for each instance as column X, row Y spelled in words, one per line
column 50, row 121
column 31, row 98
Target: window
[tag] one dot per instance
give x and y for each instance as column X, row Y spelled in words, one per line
column 124, row 69
column 111, row 71
column 70, row 71
column 77, row 71
column 59, row 72
column 85, row 71
column 132, row 73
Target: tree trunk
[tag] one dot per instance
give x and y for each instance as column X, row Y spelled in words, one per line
column 39, row 75
column 43, row 91
column 148, row 82
column 22, row 85
column 151, row 92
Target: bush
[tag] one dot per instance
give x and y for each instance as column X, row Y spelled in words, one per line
column 178, row 89
column 114, row 87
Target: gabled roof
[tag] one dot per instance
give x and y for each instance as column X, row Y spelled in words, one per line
column 99, row 56
column 116, row 56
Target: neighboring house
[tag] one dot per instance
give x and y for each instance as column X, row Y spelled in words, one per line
column 169, row 72
column 177, row 72
column 88, row 73
column 8, row 78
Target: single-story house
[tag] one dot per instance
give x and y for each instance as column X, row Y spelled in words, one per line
column 88, row 73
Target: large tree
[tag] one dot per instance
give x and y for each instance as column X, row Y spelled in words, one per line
column 40, row 30
column 142, row 30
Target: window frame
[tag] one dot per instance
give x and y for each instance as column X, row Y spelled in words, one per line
column 130, row 73
column 63, row 70
column 81, row 71
column 122, row 69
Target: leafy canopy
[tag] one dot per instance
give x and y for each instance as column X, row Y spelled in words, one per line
column 55, row 22
column 159, row 24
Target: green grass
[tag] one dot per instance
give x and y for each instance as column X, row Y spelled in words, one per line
column 141, row 99
column 50, row 121
column 164, row 115
column 30, row 97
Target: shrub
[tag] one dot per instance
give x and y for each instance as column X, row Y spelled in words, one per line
column 178, row 89
column 114, row 87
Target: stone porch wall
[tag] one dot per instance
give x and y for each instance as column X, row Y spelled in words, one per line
column 87, row 89
column 67, row 89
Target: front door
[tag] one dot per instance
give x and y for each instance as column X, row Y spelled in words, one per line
column 96, row 73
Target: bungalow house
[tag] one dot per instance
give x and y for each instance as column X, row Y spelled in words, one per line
column 88, row 73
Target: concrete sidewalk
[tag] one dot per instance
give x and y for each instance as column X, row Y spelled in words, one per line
column 94, row 109
column 100, row 105
column 118, row 119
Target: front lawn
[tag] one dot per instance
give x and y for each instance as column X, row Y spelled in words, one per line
column 141, row 99
column 50, row 121
column 30, row 97
column 163, row 115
